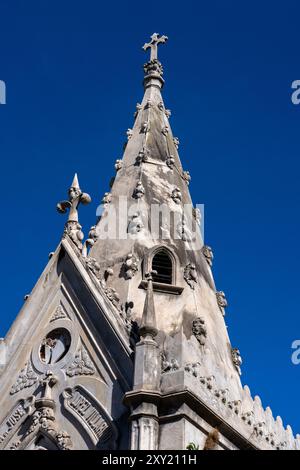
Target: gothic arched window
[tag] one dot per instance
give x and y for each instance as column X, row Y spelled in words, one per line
column 163, row 265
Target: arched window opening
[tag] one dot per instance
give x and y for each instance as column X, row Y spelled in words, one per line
column 162, row 264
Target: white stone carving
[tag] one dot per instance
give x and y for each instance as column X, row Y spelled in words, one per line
column 82, row 365
column 26, row 379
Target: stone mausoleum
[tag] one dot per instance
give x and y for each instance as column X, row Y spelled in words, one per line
column 122, row 343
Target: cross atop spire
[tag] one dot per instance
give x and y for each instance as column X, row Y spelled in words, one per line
column 153, row 45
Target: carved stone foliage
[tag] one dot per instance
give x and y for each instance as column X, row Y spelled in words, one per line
column 88, row 411
column 58, row 314
column 26, row 379
column 139, row 190
column 236, row 359
column 43, row 420
column 208, row 254
column 135, row 224
column 106, row 198
column 170, row 365
column 137, row 109
column 143, row 156
column 222, row 302
column 118, row 165
column 192, row 368
column 145, row 127
column 153, row 67
column 131, row 266
column 199, row 330
column 187, row 177
column 73, row 229
column 82, row 365
column 176, row 196
column 93, row 266
column 170, row 162
column 129, row 133
column 190, row 275
column 176, row 142
column 113, row 296
column 165, row 130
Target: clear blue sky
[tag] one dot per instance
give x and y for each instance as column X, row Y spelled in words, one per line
column 73, row 72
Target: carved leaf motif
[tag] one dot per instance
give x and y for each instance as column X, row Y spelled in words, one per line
column 58, row 314
column 26, row 379
column 82, row 365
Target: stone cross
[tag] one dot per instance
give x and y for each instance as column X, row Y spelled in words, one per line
column 153, row 44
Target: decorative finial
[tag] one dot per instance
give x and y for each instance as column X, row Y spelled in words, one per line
column 153, row 45
column 76, row 197
column 154, row 69
column 148, row 324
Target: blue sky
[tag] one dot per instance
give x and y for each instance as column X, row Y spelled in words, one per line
column 73, row 72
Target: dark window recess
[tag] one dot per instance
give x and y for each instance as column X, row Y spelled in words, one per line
column 162, row 264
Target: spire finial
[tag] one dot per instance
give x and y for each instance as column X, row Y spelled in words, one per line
column 153, row 45
column 76, row 197
column 148, row 323
column 154, row 69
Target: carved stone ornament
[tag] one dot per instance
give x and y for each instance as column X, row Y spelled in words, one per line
column 153, row 67
column 190, row 275
column 106, row 198
column 236, row 359
column 168, row 113
column 192, row 368
column 170, row 365
column 93, row 266
column 118, row 165
column 26, row 379
column 176, row 196
column 113, row 296
column 129, row 133
column 149, row 104
column 72, row 227
column 170, row 162
column 197, row 214
column 186, row 176
column 222, row 302
column 199, row 330
column 58, row 314
column 143, row 156
column 208, row 254
column 82, row 365
column 176, row 142
column 74, row 232
column 137, row 109
column 139, row 190
column 131, row 266
column 135, row 225
column 91, row 240
column 165, row 130
column 145, row 127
